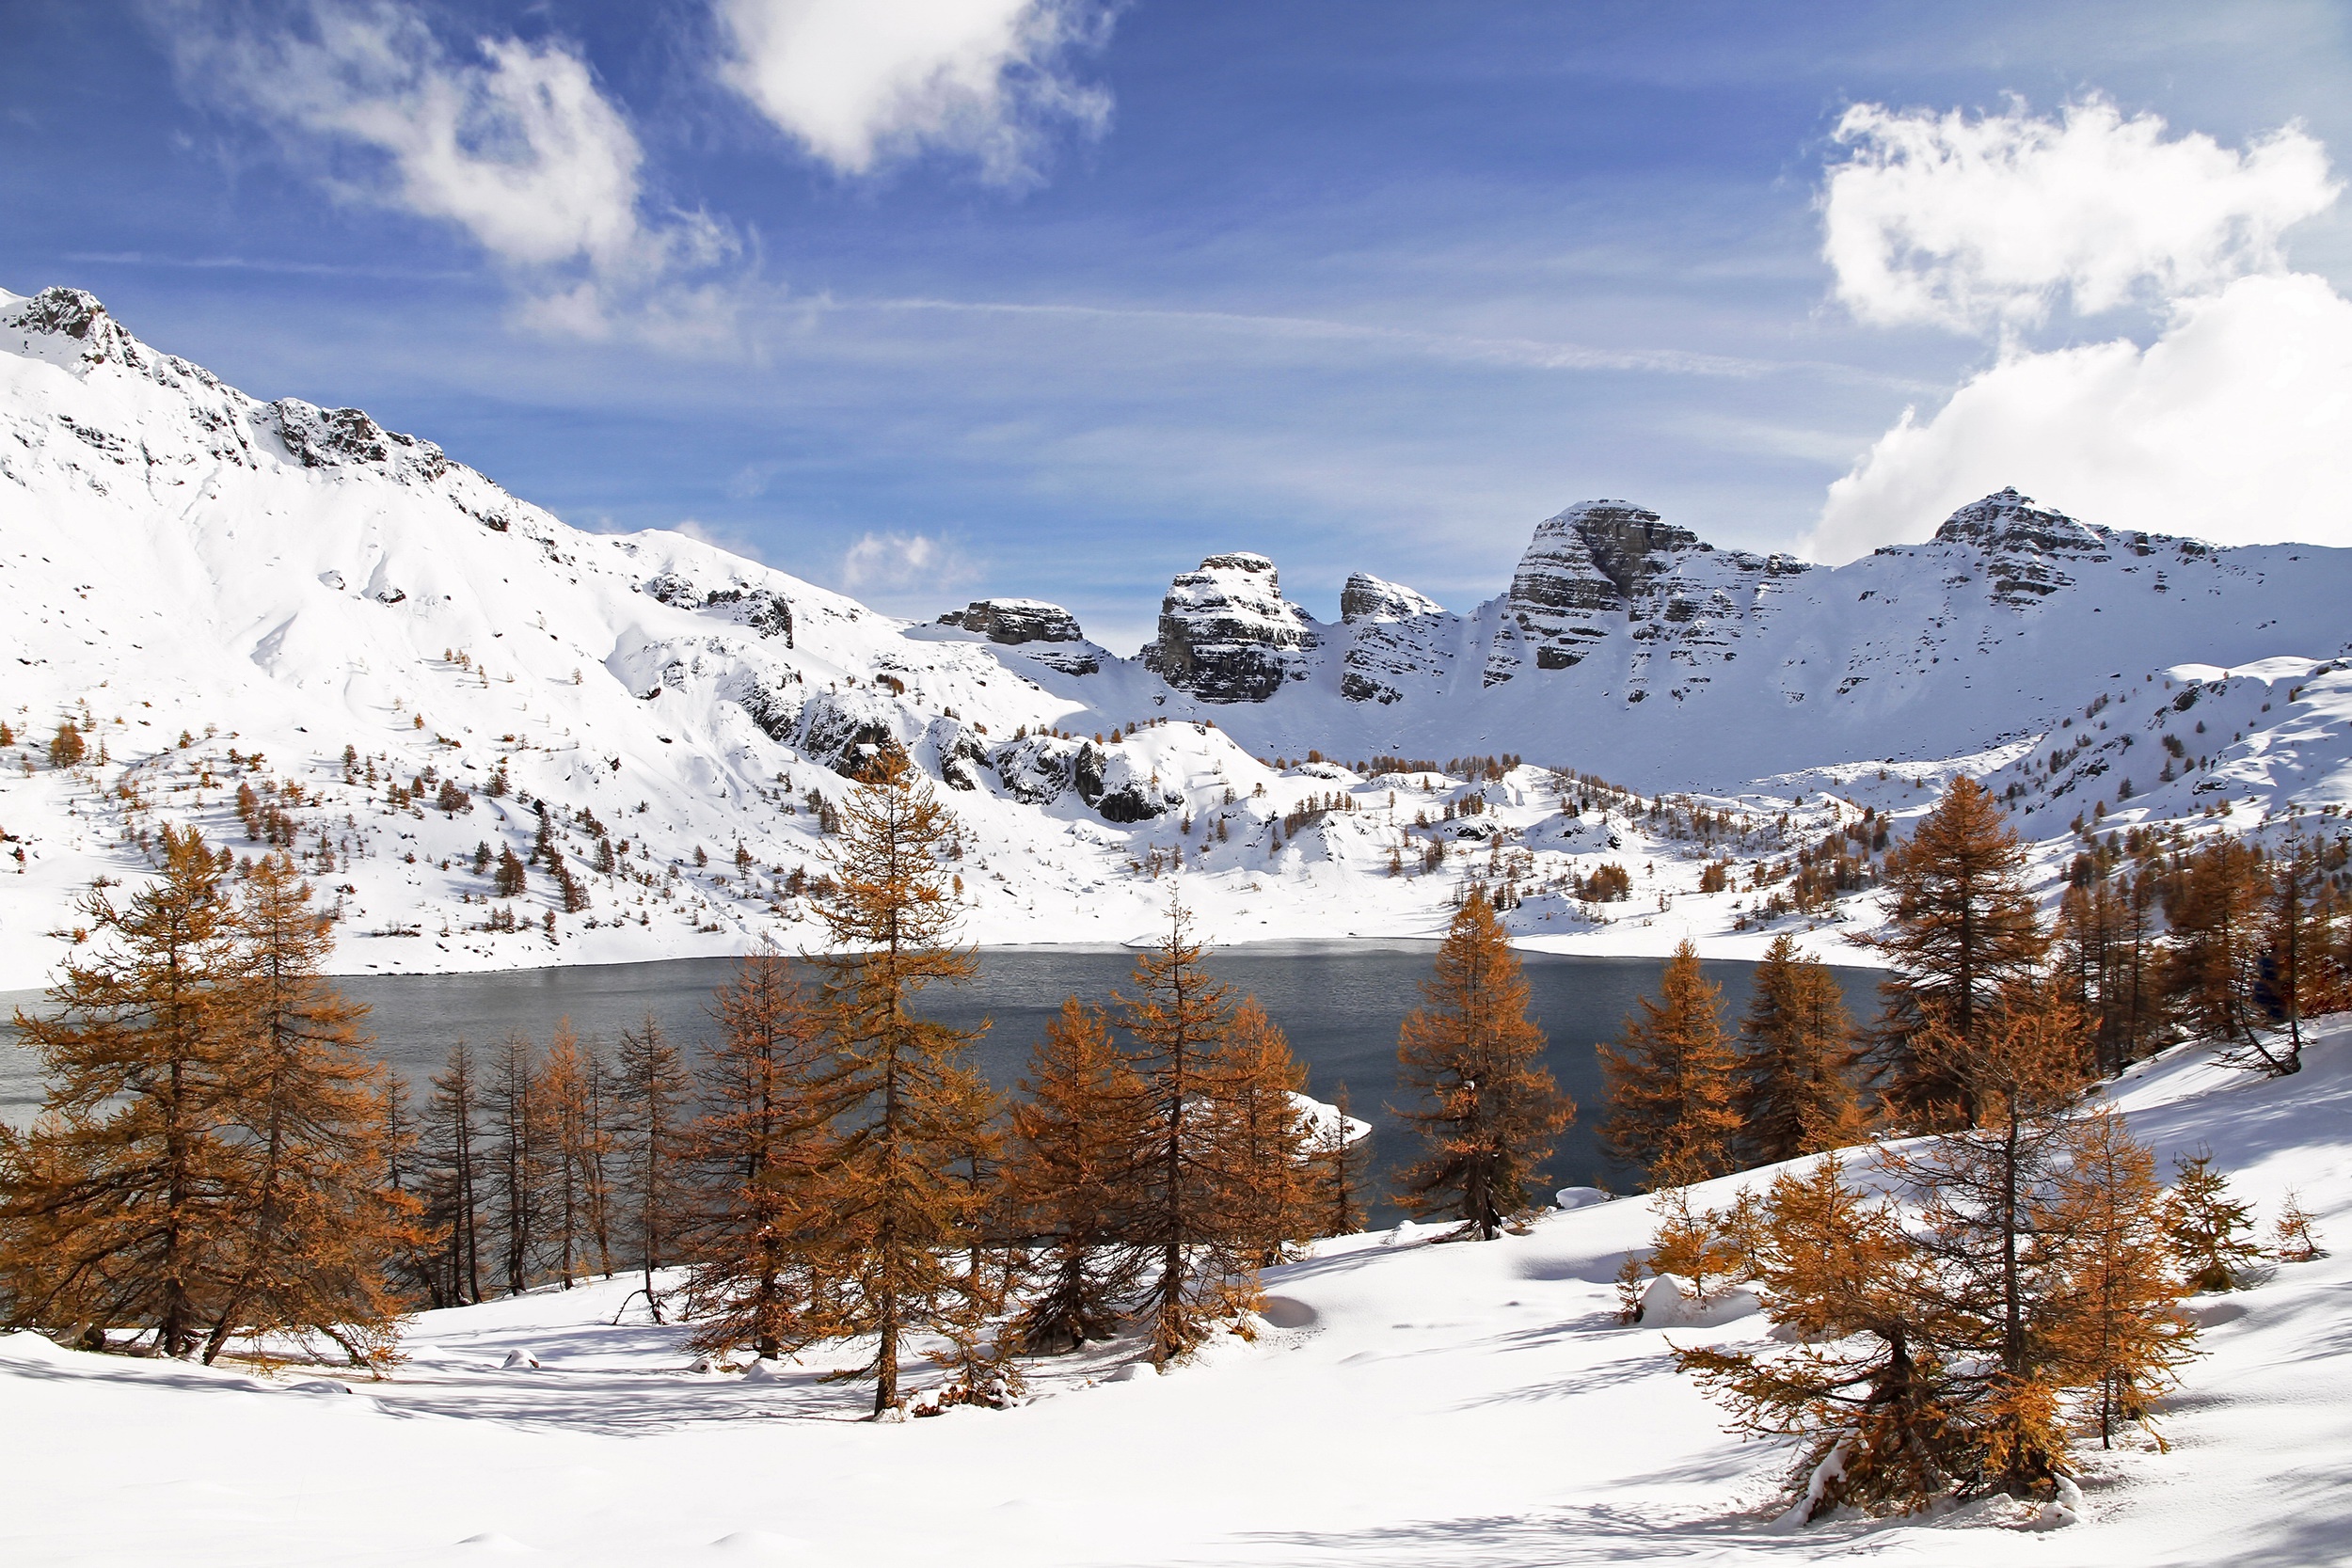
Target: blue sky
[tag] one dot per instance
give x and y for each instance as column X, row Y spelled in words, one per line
column 1365, row 286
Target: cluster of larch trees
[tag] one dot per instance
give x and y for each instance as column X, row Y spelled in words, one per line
column 211, row 1158
column 2018, row 1280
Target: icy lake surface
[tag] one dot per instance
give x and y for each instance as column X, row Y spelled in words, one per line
column 1339, row 1003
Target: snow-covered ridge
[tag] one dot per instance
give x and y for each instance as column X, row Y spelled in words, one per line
column 223, row 591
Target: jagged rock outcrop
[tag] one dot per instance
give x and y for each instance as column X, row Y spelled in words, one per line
column 1227, row 635
column 1370, row 598
column 2024, row 543
column 1583, row 567
column 1037, row 769
column 345, row 438
column 1013, row 622
column 1400, row 638
column 1044, row 632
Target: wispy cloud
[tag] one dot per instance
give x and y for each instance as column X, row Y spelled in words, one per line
column 1525, row 352
column 513, row 142
column 892, row 562
column 859, row 84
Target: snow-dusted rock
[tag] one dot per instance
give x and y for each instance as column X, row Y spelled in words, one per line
column 1013, row 622
column 1227, row 635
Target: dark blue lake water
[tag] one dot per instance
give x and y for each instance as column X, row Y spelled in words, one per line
column 1339, row 1003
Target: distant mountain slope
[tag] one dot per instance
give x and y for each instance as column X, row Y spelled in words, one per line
column 1665, row 661
column 336, row 620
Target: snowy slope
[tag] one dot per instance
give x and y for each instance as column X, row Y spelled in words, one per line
column 1629, row 646
column 225, row 592
column 1404, row 1404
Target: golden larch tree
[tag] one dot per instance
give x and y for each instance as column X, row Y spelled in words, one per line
column 899, row 1094
column 1485, row 1108
column 1078, row 1131
column 1671, row 1075
column 1795, row 1086
column 122, row 1202
column 751, row 1228
column 1256, row 1082
column 1963, row 925
column 316, row 1220
column 2118, row 1329
column 1186, row 1217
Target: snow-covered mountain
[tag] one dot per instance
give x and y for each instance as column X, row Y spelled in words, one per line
column 1629, row 645
column 229, row 594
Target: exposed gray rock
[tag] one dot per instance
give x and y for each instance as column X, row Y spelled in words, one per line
column 1370, row 598
column 1014, row 622
column 1401, row 638
column 841, row 729
column 346, row 438
column 962, row 757
column 2024, row 543
column 1583, row 567
column 1040, row 769
column 1227, row 635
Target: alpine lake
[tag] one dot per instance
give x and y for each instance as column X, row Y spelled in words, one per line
column 1339, row 1003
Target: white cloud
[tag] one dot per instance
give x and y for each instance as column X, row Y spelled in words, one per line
column 2235, row 424
column 902, row 560
column 1976, row 223
column 512, row 141
column 2235, row 427
column 861, row 82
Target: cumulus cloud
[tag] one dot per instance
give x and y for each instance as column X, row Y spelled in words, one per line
column 512, row 141
column 902, row 560
column 859, row 83
column 1969, row 223
column 2233, row 425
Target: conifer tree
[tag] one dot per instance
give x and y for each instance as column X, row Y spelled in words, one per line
column 1186, row 1218
column 315, row 1223
column 1860, row 1386
column 566, row 1088
column 2211, row 1233
column 121, row 1201
column 414, row 1270
column 450, row 1147
column 2119, row 1330
column 1486, row 1107
column 754, row 1227
column 1985, row 1192
column 899, row 1094
column 519, row 1157
column 1336, row 1170
column 1796, row 1093
column 1965, row 925
column 1671, row 1079
column 650, row 1090
column 1256, row 1079
column 2217, row 950
column 1077, row 1132
column 2301, row 977
column 2106, row 954
column 2296, row 1239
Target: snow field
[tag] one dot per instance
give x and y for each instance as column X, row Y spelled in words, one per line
column 1417, row 1405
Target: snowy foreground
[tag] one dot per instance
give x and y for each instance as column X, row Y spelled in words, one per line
column 1407, row 1403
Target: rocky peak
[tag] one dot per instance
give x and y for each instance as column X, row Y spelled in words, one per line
column 2021, row 541
column 1227, row 634
column 1370, row 598
column 1592, row 560
column 88, row 335
column 339, row 437
column 1013, row 622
